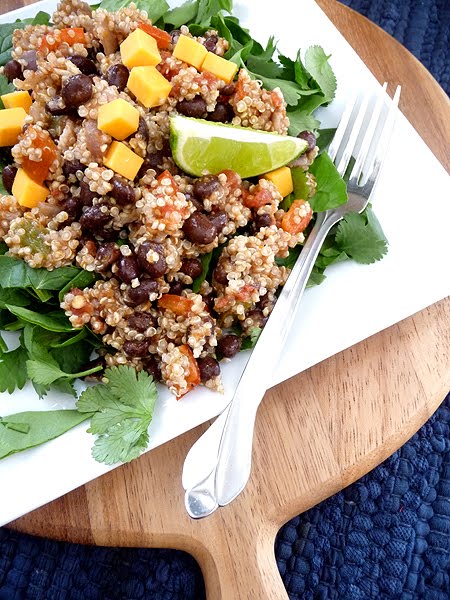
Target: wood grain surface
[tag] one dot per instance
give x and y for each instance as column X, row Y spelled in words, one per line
column 316, row 433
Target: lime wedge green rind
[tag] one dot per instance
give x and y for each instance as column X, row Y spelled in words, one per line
column 200, row 147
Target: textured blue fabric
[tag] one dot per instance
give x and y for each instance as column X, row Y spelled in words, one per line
column 385, row 537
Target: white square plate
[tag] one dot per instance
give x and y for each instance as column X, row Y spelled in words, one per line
column 412, row 202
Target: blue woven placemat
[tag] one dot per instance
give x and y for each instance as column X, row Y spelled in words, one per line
column 385, row 537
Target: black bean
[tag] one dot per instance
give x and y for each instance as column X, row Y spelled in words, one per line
column 56, row 107
column 309, row 137
column 210, row 42
column 265, row 302
column 8, row 176
column 77, row 90
column 86, row 65
column 209, row 368
column 174, row 36
column 229, row 345
column 93, row 218
column 154, row 269
column 192, row 108
column 152, row 367
column 13, row 70
column 142, row 129
column 257, row 316
column 141, row 321
column 70, row 167
column 219, row 219
column 138, row 295
column 199, row 229
column 263, row 220
column 192, row 267
column 205, row 186
column 152, row 161
column 107, row 254
column 220, row 275
column 121, row 191
column 136, row 349
column 176, row 287
column 118, row 75
column 30, row 59
column 73, row 207
column 86, row 196
column 222, row 113
column 128, row 268
column 228, row 90
column 209, row 301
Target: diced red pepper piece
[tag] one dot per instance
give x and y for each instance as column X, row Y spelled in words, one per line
column 292, row 222
column 193, row 376
column 70, row 35
column 177, row 304
column 162, row 37
column 257, row 200
column 39, row 170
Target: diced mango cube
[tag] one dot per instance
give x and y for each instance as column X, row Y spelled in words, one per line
column 11, row 123
column 190, row 51
column 220, row 67
column 149, row 86
column 17, row 99
column 26, row 191
column 118, row 118
column 122, row 160
column 139, row 49
column 282, row 180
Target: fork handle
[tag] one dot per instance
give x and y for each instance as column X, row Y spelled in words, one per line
column 235, row 450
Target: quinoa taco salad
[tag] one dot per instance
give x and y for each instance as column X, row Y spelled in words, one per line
column 160, row 173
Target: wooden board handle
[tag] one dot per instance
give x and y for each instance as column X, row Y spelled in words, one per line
column 240, row 563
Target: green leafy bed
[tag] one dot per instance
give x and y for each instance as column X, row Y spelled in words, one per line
column 51, row 354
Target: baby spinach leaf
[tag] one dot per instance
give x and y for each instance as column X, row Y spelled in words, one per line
column 206, row 261
column 154, row 8
column 53, row 321
column 81, row 280
column 5, row 88
column 25, row 430
column 331, row 189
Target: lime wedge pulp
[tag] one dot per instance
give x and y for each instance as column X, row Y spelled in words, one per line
column 200, row 147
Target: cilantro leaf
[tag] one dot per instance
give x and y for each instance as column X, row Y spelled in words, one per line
column 331, row 189
column 289, row 89
column 123, row 442
column 301, row 120
column 13, row 373
column 250, row 341
column 316, row 63
column 359, row 235
column 123, row 410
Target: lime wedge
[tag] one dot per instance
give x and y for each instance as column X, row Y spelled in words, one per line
column 200, row 147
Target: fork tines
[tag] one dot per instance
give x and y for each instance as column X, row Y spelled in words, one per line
column 363, row 133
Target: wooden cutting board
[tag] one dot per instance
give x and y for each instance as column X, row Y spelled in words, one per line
column 316, row 433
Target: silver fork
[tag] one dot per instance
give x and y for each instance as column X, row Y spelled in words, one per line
column 218, row 465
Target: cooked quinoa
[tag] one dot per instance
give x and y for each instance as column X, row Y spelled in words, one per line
column 145, row 238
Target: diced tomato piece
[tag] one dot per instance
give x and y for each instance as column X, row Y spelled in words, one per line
column 276, row 99
column 257, row 200
column 233, row 179
column 245, row 293
column 38, row 170
column 162, row 37
column 193, row 376
column 70, row 35
column 292, row 222
column 167, row 175
column 177, row 304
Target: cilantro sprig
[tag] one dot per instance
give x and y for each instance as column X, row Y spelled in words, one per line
column 122, row 410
